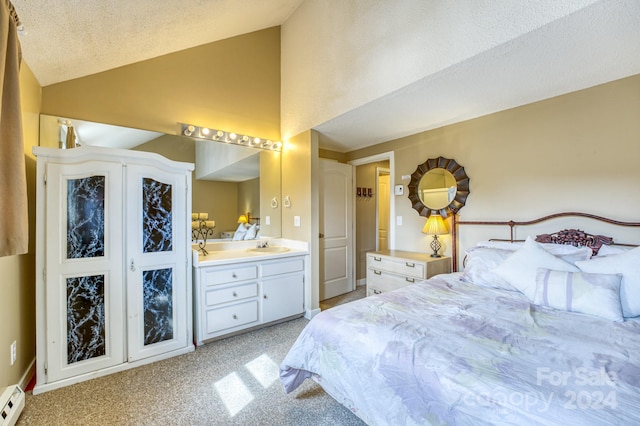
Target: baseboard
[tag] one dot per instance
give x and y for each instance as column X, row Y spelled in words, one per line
column 309, row 314
column 28, row 375
column 361, row 281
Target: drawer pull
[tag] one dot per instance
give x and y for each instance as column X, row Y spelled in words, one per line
column 377, row 259
column 235, row 316
column 410, row 265
column 410, row 280
column 235, row 294
column 377, row 292
column 377, row 272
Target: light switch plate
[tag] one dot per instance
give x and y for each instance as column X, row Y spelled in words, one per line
column 296, row 221
column 267, row 220
column 399, row 190
column 398, row 220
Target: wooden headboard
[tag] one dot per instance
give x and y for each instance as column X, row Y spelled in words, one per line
column 567, row 236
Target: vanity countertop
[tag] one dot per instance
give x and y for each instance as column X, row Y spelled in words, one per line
column 243, row 251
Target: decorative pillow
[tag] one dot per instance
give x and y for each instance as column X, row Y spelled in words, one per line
column 627, row 264
column 593, row 294
column 240, row 232
column 480, row 264
column 522, row 265
column 566, row 252
column 251, row 232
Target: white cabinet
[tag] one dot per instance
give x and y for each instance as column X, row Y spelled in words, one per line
column 235, row 297
column 391, row 269
column 113, row 286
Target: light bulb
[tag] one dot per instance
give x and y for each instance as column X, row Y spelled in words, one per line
column 219, row 134
column 276, row 145
column 204, row 131
column 256, row 141
column 188, row 131
column 232, row 136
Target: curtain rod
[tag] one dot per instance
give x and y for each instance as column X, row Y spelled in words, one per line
column 14, row 14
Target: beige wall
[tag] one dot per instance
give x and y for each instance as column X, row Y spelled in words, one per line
column 18, row 272
column 233, row 85
column 576, row 152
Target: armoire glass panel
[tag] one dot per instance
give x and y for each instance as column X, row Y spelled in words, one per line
column 157, row 224
column 85, row 217
column 157, row 287
column 85, row 318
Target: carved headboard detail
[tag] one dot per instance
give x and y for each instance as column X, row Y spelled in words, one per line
column 575, row 237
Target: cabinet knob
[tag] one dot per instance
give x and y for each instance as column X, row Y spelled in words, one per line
column 132, row 266
column 235, row 316
column 234, row 275
column 264, row 297
column 235, row 294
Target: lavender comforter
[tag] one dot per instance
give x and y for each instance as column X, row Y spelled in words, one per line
column 447, row 352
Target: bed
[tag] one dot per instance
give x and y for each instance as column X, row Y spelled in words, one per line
column 528, row 333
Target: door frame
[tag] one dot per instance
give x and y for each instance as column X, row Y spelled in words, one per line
column 389, row 155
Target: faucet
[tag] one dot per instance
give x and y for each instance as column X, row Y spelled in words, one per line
column 263, row 244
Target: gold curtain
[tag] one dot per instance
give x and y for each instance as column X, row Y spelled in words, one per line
column 14, row 225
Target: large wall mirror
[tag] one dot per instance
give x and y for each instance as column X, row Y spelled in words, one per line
column 228, row 181
column 439, row 185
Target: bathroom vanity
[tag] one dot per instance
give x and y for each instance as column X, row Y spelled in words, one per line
column 238, row 286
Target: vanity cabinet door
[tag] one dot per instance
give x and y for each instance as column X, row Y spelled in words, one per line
column 84, row 297
column 156, row 259
column 282, row 296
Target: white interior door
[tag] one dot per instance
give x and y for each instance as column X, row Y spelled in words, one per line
column 83, row 264
column 382, row 210
column 336, row 229
column 156, row 261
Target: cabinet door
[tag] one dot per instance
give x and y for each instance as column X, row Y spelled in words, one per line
column 282, row 296
column 156, row 256
column 84, row 271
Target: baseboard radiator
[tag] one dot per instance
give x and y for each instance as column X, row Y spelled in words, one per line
column 12, row 404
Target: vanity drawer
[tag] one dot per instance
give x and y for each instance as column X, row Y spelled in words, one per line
column 282, row 267
column 238, row 315
column 238, row 273
column 399, row 266
column 217, row 296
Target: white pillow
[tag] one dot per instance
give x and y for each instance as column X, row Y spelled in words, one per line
column 522, row 265
column 593, row 294
column 240, row 232
column 564, row 251
column 251, row 232
column 627, row 264
column 607, row 250
column 480, row 264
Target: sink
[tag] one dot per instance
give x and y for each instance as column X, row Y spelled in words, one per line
column 273, row 249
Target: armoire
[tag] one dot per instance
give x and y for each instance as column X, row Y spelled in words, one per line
column 113, row 262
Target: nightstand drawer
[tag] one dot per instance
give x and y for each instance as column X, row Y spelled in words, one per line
column 398, row 266
column 385, row 281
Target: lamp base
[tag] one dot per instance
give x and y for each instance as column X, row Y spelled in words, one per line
column 435, row 246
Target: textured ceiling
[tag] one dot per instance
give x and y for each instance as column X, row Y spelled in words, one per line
column 66, row 39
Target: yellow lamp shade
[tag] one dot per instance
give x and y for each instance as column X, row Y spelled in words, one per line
column 242, row 219
column 435, row 225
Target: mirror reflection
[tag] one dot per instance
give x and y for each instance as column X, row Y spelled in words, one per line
column 437, row 188
column 229, row 181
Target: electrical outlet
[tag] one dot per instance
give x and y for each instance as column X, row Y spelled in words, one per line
column 13, row 352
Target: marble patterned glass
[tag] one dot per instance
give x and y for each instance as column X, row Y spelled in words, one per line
column 156, row 216
column 85, row 318
column 157, row 288
column 85, row 217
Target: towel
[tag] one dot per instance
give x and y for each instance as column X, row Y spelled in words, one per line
column 14, row 225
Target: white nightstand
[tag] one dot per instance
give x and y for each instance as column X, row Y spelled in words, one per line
column 391, row 269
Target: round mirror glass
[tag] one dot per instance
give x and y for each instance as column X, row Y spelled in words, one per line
column 439, row 185
column 437, row 188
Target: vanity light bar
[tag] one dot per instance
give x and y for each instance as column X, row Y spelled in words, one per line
column 206, row 133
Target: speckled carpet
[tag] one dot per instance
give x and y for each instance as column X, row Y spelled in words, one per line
column 226, row 382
